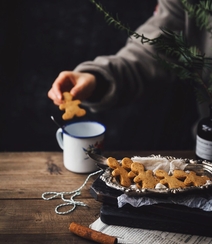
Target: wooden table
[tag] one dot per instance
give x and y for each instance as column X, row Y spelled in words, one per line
column 25, row 217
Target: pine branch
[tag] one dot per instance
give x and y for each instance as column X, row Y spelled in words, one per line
column 119, row 25
column 201, row 12
column 188, row 63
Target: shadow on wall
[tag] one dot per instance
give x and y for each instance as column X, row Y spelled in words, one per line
column 39, row 39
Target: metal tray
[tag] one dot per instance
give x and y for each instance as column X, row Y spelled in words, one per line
column 198, row 166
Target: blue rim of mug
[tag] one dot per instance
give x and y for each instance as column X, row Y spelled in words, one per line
column 86, row 121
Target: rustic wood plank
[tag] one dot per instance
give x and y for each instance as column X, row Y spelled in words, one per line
column 43, row 239
column 28, row 188
column 27, row 218
column 38, row 216
column 28, row 175
column 26, row 221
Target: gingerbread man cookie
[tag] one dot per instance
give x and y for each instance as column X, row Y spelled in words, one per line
column 191, row 178
column 166, row 179
column 71, row 107
column 144, row 179
column 126, row 163
column 179, row 174
column 136, row 168
column 194, row 180
column 120, row 171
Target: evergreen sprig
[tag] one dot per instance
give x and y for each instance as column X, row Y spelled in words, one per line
column 200, row 12
column 188, row 63
column 118, row 24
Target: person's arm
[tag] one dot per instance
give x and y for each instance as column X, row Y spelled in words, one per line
column 126, row 74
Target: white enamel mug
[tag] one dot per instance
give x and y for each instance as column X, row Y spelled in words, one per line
column 76, row 140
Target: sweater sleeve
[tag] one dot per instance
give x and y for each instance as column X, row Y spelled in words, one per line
column 130, row 71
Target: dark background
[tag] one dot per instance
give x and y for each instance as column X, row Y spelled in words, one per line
column 39, row 39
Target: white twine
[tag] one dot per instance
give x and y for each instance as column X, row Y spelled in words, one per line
column 71, row 201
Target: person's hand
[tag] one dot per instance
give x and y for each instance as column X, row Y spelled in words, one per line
column 80, row 86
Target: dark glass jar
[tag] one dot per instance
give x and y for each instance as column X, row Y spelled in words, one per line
column 204, row 138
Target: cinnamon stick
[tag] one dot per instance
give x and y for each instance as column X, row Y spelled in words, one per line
column 90, row 234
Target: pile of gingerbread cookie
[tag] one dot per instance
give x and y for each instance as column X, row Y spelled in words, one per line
column 128, row 172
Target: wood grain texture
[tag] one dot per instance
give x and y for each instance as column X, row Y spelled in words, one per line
column 35, row 173
column 25, row 217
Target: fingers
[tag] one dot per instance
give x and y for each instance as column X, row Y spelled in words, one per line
column 80, row 85
column 57, row 100
column 61, row 84
column 84, row 87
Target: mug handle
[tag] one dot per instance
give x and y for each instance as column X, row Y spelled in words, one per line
column 59, row 137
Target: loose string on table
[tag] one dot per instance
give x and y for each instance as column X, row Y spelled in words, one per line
column 71, row 201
